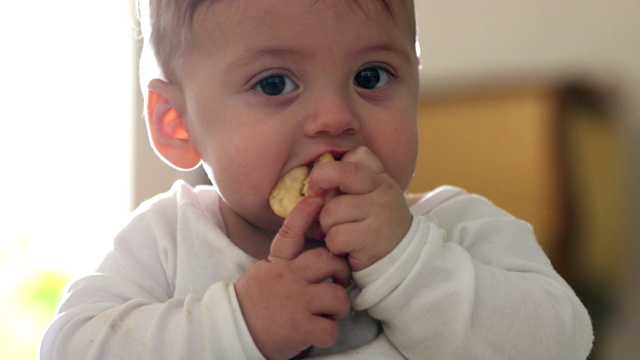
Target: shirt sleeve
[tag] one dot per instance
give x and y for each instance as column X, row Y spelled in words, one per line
column 126, row 310
column 470, row 281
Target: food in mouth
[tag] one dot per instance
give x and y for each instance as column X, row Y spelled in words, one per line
column 291, row 188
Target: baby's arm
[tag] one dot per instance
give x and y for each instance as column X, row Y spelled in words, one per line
column 127, row 309
column 144, row 327
column 469, row 281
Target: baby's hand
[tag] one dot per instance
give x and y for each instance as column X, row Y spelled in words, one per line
column 285, row 300
column 371, row 216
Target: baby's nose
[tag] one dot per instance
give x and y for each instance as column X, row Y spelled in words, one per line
column 332, row 115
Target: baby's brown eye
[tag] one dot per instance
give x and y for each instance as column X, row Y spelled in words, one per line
column 275, row 85
column 372, row 78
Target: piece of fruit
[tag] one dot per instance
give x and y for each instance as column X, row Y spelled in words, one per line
column 291, row 188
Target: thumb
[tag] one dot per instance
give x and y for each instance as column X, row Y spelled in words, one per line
column 289, row 241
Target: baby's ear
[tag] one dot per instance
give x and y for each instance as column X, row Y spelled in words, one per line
column 166, row 126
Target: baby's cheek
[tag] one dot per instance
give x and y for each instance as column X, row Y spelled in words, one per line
column 402, row 167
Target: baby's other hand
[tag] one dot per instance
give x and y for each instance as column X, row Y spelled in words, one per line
column 371, row 216
column 286, row 302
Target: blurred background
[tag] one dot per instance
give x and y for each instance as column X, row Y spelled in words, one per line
column 532, row 104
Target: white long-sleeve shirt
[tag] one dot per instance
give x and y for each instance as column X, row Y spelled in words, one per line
column 468, row 281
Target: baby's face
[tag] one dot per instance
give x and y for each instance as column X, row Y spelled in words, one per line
column 276, row 83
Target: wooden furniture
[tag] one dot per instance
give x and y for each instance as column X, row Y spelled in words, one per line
column 525, row 147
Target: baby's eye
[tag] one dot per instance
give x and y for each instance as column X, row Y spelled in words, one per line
column 372, row 78
column 275, row 85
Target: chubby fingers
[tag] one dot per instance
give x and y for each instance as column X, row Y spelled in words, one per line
column 319, row 264
column 347, row 177
column 326, row 299
column 363, row 156
column 356, row 173
column 289, row 241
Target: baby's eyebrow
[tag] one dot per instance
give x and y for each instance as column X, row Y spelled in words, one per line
column 386, row 48
column 251, row 55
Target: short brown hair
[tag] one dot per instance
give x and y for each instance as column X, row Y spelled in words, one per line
column 166, row 24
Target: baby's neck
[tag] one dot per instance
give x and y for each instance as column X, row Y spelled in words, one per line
column 251, row 239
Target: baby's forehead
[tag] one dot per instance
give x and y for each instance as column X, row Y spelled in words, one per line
column 177, row 26
column 401, row 12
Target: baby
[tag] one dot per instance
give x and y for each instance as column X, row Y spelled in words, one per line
column 250, row 90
